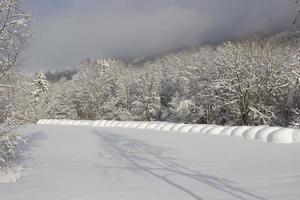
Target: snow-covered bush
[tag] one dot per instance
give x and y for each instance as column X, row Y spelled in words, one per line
column 8, row 148
column 185, row 111
column 8, row 140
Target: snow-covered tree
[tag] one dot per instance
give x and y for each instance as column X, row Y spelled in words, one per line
column 10, row 93
column 40, row 85
column 123, row 101
column 252, row 81
column 186, row 74
column 146, row 94
column 95, row 88
column 14, row 32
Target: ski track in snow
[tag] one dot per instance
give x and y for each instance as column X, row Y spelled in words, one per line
column 89, row 162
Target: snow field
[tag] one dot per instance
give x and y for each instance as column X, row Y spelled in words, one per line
column 260, row 133
column 73, row 161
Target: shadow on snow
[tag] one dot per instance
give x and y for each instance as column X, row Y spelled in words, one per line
column 153, row 160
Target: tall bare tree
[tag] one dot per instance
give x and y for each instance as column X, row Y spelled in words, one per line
column 14, row 32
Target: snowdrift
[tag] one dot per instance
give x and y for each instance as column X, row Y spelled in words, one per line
column 261, row 133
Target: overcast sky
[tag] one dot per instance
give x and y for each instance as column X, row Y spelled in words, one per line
column 67, row 31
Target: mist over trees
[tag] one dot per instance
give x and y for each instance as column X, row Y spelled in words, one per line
column 57, row 75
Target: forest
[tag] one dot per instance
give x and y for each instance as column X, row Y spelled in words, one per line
column 254, row 81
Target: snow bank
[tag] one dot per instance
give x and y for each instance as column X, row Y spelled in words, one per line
column 261, row 133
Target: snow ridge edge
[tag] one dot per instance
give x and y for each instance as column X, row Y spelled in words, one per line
column 260, row 133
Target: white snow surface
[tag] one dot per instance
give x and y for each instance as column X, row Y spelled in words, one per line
column 262, row 133
column 10, row 175
column 87, row 162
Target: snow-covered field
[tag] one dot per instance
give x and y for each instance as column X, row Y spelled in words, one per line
column 92, row 162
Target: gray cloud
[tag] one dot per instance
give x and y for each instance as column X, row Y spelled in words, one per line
column 76, row 29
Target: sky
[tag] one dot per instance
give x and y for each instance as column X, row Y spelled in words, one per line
column 68, row 31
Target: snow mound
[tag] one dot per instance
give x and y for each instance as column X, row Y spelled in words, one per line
column 261, row 133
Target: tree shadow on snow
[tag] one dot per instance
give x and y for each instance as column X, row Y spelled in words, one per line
column 138, row 155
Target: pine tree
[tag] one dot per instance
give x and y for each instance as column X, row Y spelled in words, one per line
column 41, row 85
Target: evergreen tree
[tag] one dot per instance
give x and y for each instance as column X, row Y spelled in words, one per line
column 41, row 85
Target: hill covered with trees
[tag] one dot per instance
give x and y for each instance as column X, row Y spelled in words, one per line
column 249, row 82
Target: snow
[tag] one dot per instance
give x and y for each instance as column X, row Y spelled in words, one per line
column 65, row 162
column 10, row 176
column 261, row 133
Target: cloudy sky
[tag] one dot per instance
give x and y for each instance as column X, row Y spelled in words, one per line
column 67, row 31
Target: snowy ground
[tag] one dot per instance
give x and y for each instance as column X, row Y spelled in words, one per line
column 82, row 163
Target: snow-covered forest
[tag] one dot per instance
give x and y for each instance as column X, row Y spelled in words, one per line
column 249, row 82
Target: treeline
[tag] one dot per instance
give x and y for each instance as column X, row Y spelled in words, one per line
column 249, row 82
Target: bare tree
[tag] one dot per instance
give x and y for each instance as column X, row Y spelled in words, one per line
column 14, row 32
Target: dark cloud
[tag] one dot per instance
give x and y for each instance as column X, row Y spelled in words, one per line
column 66, row 31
